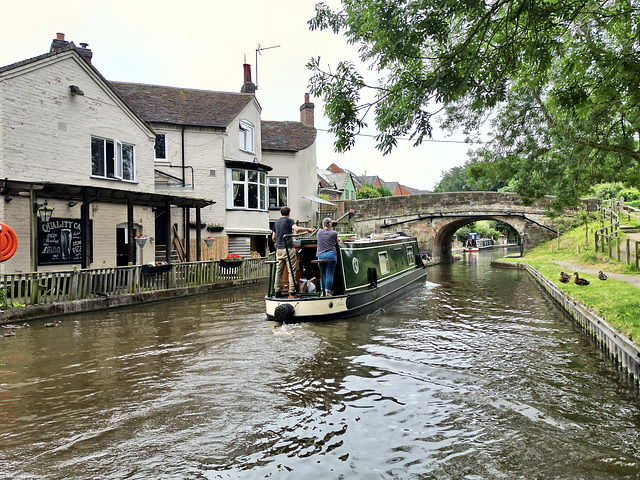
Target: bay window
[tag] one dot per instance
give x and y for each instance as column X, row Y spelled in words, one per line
column 248, row 189
column 112, row 159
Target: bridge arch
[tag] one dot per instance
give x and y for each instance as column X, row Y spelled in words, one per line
column 433, row 218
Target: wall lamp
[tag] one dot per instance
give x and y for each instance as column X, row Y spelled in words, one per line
column 75, row 90
column 43, row 210
column 72, row 204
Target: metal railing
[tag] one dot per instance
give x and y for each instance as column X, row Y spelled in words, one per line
column 39, row 288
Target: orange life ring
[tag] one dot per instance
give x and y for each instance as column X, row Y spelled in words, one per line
column 8, row 242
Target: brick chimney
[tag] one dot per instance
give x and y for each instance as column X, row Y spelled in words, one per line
column 306, row 111
column 59, row 44
column 248, row 86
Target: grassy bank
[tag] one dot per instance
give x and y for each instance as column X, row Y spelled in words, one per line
column 616, row 301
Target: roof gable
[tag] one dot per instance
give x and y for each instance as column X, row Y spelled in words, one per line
column 183, row 106
column 71, row 52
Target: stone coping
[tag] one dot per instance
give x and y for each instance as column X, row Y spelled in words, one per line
column 623, row 351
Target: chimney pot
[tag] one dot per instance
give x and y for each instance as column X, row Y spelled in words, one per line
column 84, row 45
column 60, row 36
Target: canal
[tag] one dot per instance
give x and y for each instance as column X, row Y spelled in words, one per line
column 478, row 375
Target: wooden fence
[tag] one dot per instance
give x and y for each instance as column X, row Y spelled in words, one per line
column 57, row 286
column 607, row 238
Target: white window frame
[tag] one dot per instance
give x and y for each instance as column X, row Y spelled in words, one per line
column 164, row 140
column 246, row 136
column 118, row 159
column 245, row 184
column 277, row 183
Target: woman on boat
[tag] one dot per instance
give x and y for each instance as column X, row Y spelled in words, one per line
column 327, row 242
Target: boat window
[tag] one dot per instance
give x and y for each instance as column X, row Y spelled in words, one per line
column 410, row 259
column 383, row 259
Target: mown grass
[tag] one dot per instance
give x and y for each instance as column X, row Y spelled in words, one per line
column 616, row 301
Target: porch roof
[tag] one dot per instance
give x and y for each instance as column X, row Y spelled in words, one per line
column 86, row 193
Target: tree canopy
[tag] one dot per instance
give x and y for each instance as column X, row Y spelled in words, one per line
column 556, row 80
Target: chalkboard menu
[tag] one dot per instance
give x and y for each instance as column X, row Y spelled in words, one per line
column 59, row 241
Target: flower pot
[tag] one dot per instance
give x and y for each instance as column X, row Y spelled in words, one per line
column 141, row 241
column 209, row 241
column 230, row 263
column 155, row 269
column 215, row 229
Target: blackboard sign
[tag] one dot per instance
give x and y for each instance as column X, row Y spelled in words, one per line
column 60, row 241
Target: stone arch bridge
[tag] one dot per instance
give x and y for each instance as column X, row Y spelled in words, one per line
column 434, row 217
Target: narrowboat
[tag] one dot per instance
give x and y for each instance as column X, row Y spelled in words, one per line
column 475, row 243
column 371, row 272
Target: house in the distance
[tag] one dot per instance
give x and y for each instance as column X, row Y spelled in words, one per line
column 335, row 181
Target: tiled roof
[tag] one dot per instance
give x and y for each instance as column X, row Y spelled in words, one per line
column 6, row 68
column 287, row 136
column 183, row 106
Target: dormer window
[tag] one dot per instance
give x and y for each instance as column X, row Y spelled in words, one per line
column 246, row 136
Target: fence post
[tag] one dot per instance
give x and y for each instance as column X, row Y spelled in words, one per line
column 628, row 250
column 636, row 248
column 609, row 246
column 73, row 294
column 618, row 248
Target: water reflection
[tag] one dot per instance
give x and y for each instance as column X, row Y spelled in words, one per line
column 477, row 375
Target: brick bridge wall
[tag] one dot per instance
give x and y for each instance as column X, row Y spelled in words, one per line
column 434, row 217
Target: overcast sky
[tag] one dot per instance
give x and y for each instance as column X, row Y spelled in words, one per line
column 203, row 44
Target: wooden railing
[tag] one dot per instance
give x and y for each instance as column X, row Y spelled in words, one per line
column 51, row 287
column 607, row 238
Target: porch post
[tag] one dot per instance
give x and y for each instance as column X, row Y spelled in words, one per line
column 130, row 233
column 198, row 236
column 167, row 231
column 187, row 234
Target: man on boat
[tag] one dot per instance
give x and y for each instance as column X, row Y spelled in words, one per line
column 286, row 226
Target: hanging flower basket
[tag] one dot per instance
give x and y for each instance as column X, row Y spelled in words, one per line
column 209, row 241
column 141, row 241
column 215, row 228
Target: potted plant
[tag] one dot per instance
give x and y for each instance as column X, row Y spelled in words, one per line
column 154, row 268
column 195, row 225
column 209, row 241
column 141, row 240
column 215, row 227
column 233, row 260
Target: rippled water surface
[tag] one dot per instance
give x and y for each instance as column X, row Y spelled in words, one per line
column 476, row 376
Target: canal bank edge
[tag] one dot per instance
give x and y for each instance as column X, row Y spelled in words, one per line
column 36, row 312
column 622, row 350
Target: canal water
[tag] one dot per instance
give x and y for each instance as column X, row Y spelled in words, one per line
column 477, row 375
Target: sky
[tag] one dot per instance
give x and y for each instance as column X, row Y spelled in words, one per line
column 203, row 45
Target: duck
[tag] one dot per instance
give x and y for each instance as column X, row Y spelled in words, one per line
column 52, row 324
column 12, row 326
column 580, row 281
column 564, row 277
column 10, row 333
column 602, row 275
